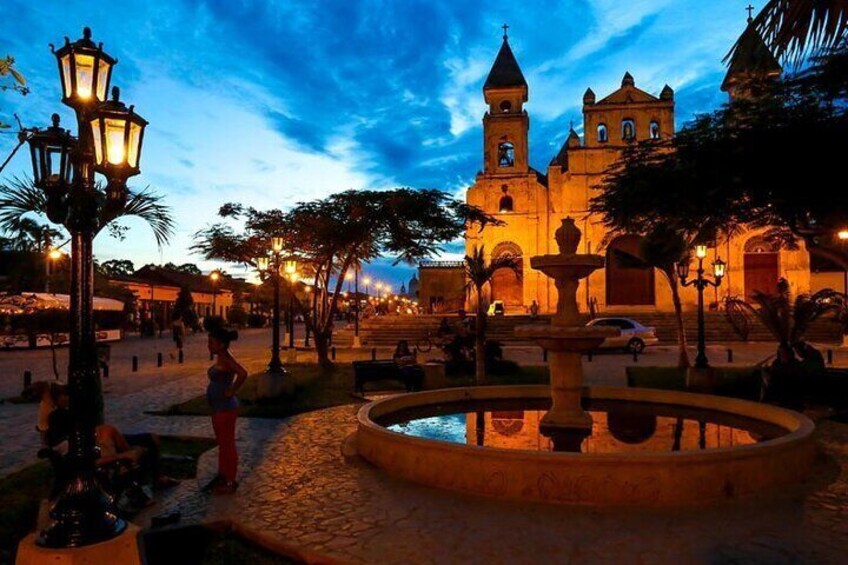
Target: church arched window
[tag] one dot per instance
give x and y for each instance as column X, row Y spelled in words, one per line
column 602, row 133
column 506, row 106
column 505, row 204
column 654, row 129
column 628, row 130
column 506, row 154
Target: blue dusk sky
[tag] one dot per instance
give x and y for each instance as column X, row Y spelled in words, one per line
column 269, row 102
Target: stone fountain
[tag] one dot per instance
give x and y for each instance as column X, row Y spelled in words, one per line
column 566, row 339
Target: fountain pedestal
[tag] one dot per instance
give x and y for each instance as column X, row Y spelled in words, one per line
column 566, row 339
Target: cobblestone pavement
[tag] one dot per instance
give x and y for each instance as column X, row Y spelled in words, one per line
column 297, row 489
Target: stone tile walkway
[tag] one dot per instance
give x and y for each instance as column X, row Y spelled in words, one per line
column 297, row 489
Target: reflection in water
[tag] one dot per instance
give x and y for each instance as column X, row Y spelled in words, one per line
column 617, row 427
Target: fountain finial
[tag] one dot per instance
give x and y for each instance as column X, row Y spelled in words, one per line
column 568, row 236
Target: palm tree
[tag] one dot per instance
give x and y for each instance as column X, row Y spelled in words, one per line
column 479, row 273
column 793, row 28
column 19, row 199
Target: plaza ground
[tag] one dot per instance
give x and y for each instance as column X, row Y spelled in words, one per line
column 297, row 490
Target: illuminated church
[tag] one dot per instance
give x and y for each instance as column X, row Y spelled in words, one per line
column 531, row 203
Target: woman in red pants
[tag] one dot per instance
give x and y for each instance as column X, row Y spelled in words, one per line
column 226, row 376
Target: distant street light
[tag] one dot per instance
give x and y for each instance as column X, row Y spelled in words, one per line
column 843, row 237
column 52, row 255
column 271, row 267
column 214, row 276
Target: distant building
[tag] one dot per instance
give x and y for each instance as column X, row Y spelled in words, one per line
column 156, row 290
column 442, row 286
column 413, row 287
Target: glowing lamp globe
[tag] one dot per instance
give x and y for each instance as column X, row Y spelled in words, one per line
column 85, row 70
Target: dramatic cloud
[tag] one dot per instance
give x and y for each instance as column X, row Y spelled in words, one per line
column 270, row 102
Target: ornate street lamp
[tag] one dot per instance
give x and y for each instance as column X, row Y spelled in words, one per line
column 700, row 283
column 64, row 167
column 52, row 255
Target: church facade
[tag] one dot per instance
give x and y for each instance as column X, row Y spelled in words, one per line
column 531, row 203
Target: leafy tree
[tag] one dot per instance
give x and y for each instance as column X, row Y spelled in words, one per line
column 11, row 79
column 478, row 274
column 330, row 235
column 184, row 307
column 117, row 268
column 189, row 268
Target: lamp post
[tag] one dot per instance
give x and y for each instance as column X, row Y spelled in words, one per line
column 843, row 237
column 52, row 255
column 700, row 283
column 356, row 342
column 273, row 267
column 108, row 142
column 290, row 270
column 366, row 281
column 215, row 277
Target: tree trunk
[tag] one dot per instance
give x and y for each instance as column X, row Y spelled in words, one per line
column 480, row 341
column 683, row 355
column 322, row 348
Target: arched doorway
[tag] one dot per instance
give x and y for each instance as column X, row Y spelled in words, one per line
column 630, row 282
column 506, row 285
column 762, row 266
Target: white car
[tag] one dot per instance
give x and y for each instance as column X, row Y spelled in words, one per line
column 634, row 336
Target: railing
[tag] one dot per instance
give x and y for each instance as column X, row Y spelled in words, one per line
column 441, row 264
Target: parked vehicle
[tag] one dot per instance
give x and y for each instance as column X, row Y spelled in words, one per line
column 634, row 337
column 496, row 308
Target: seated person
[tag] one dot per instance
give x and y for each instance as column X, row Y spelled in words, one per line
column 403, row 356
column 140, row 451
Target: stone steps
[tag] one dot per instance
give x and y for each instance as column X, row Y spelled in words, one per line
column 387, row 331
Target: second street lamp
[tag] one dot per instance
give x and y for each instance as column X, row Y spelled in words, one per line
column 272, row 268
column 700, row 283
column 290, row 271
column 215, row 277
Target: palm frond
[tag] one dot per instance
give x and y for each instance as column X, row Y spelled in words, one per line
column 793, row 28
column 18, row 199
column 148, row 206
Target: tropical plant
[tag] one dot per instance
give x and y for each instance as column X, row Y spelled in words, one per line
column 20, row 199
column 329, row 236
column 788, row 322
column 478, row 274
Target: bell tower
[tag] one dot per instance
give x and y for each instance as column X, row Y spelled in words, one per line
column 506, row 124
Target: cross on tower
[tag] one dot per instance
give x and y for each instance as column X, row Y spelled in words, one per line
column 505, row 27
column 750, row 12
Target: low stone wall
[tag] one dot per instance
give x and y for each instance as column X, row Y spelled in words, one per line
column 656, row 479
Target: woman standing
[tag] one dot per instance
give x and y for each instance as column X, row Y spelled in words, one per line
column 226, row 376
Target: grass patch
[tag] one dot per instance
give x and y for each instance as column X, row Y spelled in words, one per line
column 736, row 382
column 22, row 492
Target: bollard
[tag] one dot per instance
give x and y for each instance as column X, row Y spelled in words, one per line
column 635, row 356
column 181, row 356
column 159, row 359
column 729, row 355
column 373, row 353
column 135, row 363
column 27, row 379
column 545, row 355
column 589, row 355
column 333, row 352
column 830, row 357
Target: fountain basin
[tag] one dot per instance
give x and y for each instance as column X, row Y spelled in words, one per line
column 665, row 478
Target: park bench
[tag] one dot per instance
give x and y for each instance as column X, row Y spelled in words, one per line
column 366, row 371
